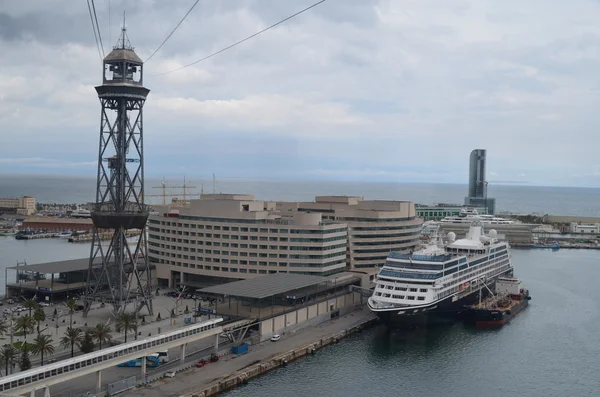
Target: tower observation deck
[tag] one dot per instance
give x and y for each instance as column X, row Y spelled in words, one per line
column 119, row 275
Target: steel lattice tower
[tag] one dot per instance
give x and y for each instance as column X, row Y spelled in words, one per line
column 119, row 274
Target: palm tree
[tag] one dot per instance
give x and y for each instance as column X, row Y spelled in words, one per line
column 101, row 333
column 8, row 354
column 3, row 328
column 25, row 324
column 126, row 322
column 71, row 338
column 71, row 305
column 30, row 304
column 42, row 344
column 39, row 315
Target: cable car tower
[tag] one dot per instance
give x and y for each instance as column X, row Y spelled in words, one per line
column 119, row 275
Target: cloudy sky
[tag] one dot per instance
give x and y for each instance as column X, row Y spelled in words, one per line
column 389, row 90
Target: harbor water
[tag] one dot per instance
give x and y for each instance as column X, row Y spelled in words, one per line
column 552, row 348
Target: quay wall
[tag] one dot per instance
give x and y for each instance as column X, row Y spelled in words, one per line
column 307, row 316
column 242, row 377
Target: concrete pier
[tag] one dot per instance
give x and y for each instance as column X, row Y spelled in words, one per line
column 233, row 370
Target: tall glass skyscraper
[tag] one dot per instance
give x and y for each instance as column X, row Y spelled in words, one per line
column 477, row 182
column 477, row 195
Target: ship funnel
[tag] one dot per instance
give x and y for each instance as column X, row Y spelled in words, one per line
column 475, row 232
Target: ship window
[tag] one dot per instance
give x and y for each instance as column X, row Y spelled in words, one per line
column 386, row 295
column 378, row 294
column 410, row 297
column 390, row 287
column 422, row 290
column 396, row 296
column 400, row 288
column 421, row 298
column 401, row 296
column 413, row 290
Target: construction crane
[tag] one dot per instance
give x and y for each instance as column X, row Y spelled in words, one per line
column 164, row 194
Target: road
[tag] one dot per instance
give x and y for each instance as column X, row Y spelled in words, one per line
column 80, row 386
column 196, row 379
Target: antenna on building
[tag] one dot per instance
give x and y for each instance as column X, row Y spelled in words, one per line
column 214, row 183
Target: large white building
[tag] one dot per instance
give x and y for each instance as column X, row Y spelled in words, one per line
column 223, row 237
column 21, row 206
column 593, row 228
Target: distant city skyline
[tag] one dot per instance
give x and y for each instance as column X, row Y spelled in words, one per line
column 348, row 91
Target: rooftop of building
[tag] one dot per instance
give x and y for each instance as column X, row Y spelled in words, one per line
column 41, row 219
column 273, row 284
column 227, row 196
column 65, row 266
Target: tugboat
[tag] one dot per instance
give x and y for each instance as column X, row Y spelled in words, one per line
column 498, row 309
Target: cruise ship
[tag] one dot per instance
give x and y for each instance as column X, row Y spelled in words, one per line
column 433, row 284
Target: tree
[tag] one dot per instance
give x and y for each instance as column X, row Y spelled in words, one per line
column 87, row 343
column 39, row 315
column 8, row 354
column 126, row 322
column 71, row 338
column 173, row 315
column 30, row 304
column 101, row 333
column 71, row 305
column 3, row 328
column 25, row 363
column 26, row 325
column 42, row 344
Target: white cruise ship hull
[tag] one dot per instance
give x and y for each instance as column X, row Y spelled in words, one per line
column 442, row 312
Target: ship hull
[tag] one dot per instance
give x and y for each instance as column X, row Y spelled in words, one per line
column 483, row 318
column 441, row 313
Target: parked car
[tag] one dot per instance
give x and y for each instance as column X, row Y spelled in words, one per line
column 201, row 363
column 170, row 374
column 275, row 338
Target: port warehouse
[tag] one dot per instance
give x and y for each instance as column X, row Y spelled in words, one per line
column 48, row 281
column 40, row 223
column 65, row 370
column 284, row 302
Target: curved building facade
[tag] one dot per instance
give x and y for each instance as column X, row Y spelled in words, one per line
column 223, row 237
column 375, row 227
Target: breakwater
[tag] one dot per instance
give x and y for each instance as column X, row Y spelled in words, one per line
column 242, row 377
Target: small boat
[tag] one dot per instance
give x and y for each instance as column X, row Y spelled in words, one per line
column 554, row 246
column 8, row 232
column 498, row 309
column 66, row 234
